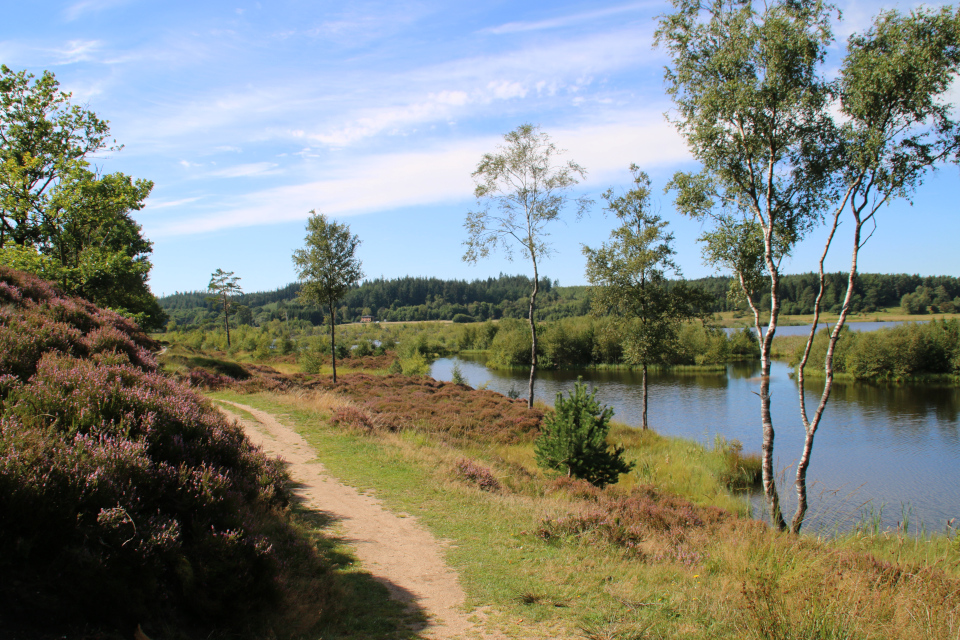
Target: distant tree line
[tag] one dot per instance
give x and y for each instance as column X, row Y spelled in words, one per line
column 871, row 291
column 406, row 299
column 411, row 299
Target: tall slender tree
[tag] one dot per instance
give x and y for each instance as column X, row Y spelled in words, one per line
column 521, row 188
column 758, row 111
column 897, row 127
column 327, row 266
column 629, row 274
column 223, row 285
column 753, row 107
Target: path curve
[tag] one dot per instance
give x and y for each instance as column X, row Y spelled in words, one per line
column 395, row 549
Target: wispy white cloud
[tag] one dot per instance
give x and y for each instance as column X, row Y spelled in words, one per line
column 364, row 22
column 441, row 175
column 432, row 94
column 77, row 9
column 247, row 170
column 78, row 51
column 476, row 83
column 574, row 19
column 152, row 205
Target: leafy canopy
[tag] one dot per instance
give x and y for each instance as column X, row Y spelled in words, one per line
column 59, row 218
column 327, row 266
column 522, row 188
column 630, row 272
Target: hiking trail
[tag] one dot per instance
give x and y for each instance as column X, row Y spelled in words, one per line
column 393, row 548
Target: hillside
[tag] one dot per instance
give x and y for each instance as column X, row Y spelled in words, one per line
column 125, row 498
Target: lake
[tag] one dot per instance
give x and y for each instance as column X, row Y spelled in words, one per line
column 881, row 448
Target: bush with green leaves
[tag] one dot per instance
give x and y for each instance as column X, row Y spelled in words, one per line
column 573, row 439
column 415, row 365
column 457, row 374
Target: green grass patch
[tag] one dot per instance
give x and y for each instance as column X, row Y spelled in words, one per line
column 557, row 558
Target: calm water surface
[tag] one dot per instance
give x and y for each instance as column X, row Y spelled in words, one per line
column 884, row 448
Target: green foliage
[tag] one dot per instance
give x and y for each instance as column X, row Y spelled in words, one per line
column 511, row 346
column 912, row 349
column 744, row 345
column 701, row 345
column 414, row 364
column 462, row 318
column 60, row 220
column 224, row 285
column 363, row 348
column 310, row 361
column 327, row 267
column 457, row 374
column 757, row 108
column 630, row 276
column 528, row 190
column 573, row 439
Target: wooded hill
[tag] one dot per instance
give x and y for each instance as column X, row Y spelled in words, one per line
column 410, row 299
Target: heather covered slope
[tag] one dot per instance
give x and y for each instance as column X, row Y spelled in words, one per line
column 125, row 498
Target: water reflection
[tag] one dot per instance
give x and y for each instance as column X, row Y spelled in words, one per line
column 885, row 446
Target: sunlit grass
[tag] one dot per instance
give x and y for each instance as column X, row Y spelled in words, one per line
column 734, row 579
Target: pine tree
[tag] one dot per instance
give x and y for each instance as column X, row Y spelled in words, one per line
column 574, row 439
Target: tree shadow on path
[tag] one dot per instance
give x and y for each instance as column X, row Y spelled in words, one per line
column 370, row 606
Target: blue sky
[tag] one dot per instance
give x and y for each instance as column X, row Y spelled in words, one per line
column 247, row 115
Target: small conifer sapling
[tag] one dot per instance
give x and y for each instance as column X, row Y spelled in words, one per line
column 574, row 440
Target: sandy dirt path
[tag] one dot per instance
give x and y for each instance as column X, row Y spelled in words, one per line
column 394, row 549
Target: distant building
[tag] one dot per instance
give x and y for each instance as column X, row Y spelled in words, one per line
column 366, row 318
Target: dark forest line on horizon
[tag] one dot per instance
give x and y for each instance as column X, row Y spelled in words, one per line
column 411, row 299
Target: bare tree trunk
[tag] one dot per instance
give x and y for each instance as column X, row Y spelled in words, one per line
column 810, row 426
column 644, row 396
column 766, row 343
column 769, row 477
column 333, row 348
column 226, row 318
column 533, row 334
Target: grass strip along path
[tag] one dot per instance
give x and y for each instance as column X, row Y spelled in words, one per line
column 399, row 553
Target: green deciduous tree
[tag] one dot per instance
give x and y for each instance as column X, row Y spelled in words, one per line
column 629, row 274
column 60, row 219
column 753, row 109
column 522, row 189
column 757, row 110
column 573, row 439
column 327, row 266
column 896, row 126
column 224, row 285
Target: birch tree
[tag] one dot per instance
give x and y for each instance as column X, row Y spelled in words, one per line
column 521, row 189
column 224, row 285
column 753, row 109
column 629, row 274
column 757, row 110
column 896, row 128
